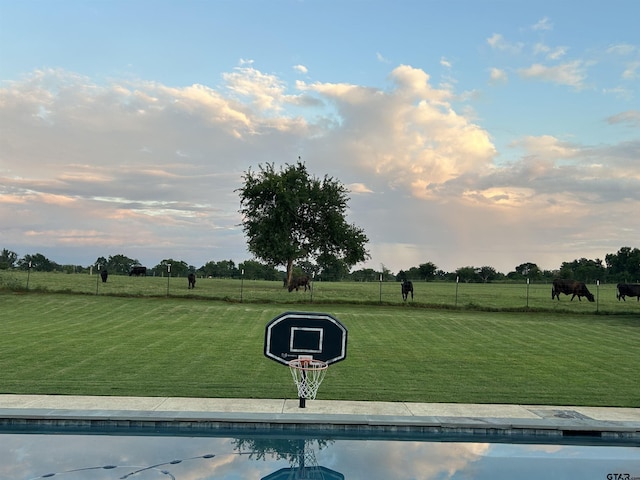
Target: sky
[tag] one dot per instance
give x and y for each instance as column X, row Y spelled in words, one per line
column 468, row 132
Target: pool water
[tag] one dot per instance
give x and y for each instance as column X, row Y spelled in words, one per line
column 278, row 457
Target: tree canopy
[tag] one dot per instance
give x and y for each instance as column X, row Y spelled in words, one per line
column 8, row 259
column 290, row 215
column 624, row 265
column 117, row 264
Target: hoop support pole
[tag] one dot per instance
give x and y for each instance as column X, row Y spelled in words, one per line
column 302, row 399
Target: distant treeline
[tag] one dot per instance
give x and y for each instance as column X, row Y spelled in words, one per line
column 622, row 266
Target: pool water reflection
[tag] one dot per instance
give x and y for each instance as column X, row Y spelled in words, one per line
column 267, row 457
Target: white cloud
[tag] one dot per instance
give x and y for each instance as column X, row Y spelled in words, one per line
column 498, row 42
column 632, row 71
column 546, row 146
column 445, row 63
column 571, row 74
column 622, row 49
column 543, row 24
column 497, row 75
column 557, row 53
column 619, row 92
column 359, row 188
column 150, row 170
column 266, row 91
column 381, row 58
column 301, row 69
column 550, row 53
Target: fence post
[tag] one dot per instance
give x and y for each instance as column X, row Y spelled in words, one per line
column 527, row 292
column 381, row 288
column 241, row 284
column 168, row 277
column 457, row 281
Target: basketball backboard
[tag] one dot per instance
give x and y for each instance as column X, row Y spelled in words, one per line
column 305, row 473
column 293, row 335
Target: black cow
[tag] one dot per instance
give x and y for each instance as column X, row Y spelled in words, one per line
column 628, row 290
column 192, row 280
column 138, row 271
column 570, row 287
column 407, row 287
column 104, row 274
column 299, row 282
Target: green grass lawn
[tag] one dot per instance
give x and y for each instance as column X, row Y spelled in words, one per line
column 195, row 347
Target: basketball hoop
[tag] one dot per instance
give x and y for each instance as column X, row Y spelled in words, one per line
column 308, row 343
column 308, row 374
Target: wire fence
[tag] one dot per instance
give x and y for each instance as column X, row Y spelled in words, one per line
column 498, row 296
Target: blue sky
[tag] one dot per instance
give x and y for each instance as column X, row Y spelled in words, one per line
column 470, row 133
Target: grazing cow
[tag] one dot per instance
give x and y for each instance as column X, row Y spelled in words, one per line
column 138, row 271
column 104, row 274
column 628, row 290
column 407, row 287
column 570, row 287
column 192, row 280
column 299, row 282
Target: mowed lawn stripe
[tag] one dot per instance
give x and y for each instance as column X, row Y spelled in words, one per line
column 507, row 355
column 97, row 345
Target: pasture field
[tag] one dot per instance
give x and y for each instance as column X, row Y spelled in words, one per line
column 474, row 296
column 200, row 347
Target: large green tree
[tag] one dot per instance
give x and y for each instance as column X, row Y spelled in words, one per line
column 290, row 215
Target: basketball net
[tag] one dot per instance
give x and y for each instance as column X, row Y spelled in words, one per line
column 307, row 374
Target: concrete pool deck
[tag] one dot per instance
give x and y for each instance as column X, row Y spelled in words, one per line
column 367, row 418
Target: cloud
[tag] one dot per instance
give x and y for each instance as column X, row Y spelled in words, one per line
column 619, row 92
column 149, row 170
column 632, row 71
column 445, row 63
column 301, row 69
column 409, row 135
column 497, row 75
column 630, row 117
column 265, row 91
column 550, row 53
column 498, row 42
column 359, row 188
column 622, row 49
column 571, row 74
column 542, row 24
column 381, row 58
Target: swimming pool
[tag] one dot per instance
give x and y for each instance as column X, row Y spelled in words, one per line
column 277, row 456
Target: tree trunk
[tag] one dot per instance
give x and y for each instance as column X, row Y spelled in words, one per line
column 289, row 271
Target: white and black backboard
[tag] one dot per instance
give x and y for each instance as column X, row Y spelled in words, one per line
column 304, row 334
